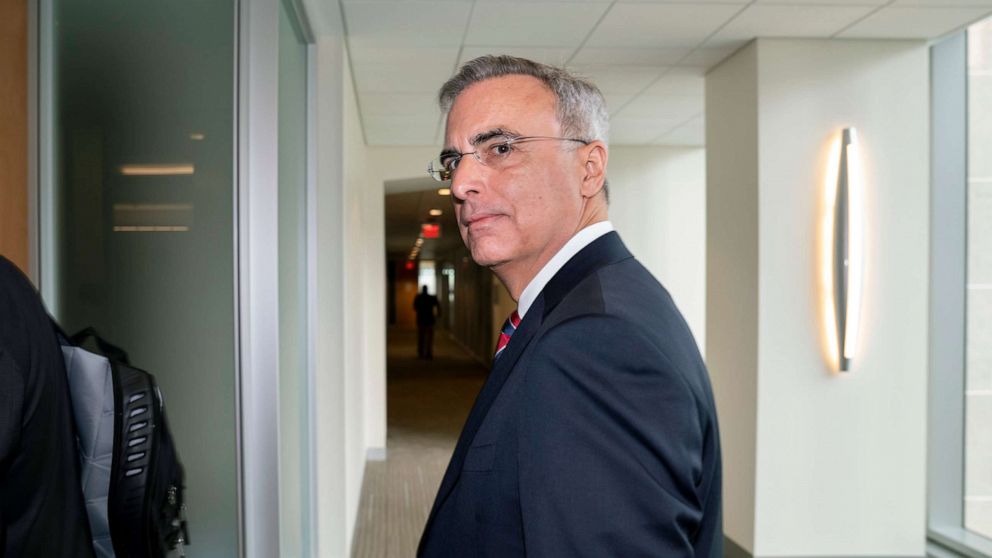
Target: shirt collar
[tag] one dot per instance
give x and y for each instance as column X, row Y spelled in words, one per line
column 581, row 239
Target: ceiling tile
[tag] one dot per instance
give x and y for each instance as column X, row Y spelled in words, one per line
column 545, row 55
column 692, row 133
column 406, row 24
column 680, row 81
column 396, row 69
column 532, row 23
column 706, row 57
column 400, row 130
column 660, row 25
column 615, row 102
column 400, row 104
column 412, row 56
column 398, row 77
column 619, row 79
column 663, row 107
column 630, row 56
column 639, row 131
column 913, row 23
column 786, row 21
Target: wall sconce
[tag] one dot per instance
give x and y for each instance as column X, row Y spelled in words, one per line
column 847, row 250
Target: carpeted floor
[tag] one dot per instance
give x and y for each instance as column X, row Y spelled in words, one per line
column 427, row 403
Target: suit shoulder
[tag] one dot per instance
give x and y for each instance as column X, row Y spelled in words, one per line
column 625, row 298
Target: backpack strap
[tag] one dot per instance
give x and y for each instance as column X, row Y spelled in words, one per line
column 109, row 350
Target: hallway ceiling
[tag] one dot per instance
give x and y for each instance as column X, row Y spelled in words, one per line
column 405, row 212
column 648, row 57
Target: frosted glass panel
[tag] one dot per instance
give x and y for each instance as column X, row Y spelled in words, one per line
column 144, row 232
column 294, row 469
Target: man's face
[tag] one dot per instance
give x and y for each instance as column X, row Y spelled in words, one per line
column 523, row 213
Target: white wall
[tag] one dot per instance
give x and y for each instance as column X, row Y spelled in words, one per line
column 373, row 236
column 350, row 399
column 732, row 280
column 658, row 205
column 331, row 413
column 350, row 349
column 840, row 458
column 358, row 317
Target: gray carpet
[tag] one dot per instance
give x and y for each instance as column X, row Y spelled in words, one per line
column 427, row 403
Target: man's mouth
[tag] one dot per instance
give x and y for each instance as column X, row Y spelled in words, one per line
column 479, row 219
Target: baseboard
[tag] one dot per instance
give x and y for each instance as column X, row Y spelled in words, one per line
column 733, row 550
column 375, row 454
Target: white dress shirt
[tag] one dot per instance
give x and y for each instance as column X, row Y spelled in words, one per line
column 581, row 239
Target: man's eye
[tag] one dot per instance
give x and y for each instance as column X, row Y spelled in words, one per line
column 450, row 163
column 501, row 149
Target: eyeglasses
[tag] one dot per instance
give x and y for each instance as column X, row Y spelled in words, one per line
column 496, row 153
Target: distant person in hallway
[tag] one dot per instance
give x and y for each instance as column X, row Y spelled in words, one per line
column 595, row 433
column 428, row 311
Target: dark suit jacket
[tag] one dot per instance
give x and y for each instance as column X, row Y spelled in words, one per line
column 41, row 499
column 595, row 433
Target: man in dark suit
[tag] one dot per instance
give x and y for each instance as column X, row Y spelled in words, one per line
column 596, row 432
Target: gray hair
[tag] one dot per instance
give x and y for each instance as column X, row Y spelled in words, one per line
column 579, row 106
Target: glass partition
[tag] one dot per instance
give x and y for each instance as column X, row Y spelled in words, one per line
column 142, row 230
column 293, row 339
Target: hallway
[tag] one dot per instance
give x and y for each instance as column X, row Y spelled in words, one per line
column 428, row 402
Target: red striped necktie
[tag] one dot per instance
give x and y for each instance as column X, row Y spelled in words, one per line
column 509, row 326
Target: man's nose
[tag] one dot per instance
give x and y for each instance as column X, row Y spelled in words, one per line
column 468, row 177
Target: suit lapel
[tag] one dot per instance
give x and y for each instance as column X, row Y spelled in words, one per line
column 603, row 251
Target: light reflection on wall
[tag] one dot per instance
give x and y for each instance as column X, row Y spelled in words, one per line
column 157, row 170
column 827, row 302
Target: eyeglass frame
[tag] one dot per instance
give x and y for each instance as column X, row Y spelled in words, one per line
column 445, row 175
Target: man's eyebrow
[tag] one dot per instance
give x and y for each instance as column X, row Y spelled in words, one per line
column 481, row 137
column 490, row 134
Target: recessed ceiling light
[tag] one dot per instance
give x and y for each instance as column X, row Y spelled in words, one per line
column 436, row 212
column 444, row 192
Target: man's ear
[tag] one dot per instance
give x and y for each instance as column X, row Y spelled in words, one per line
column 594, row 166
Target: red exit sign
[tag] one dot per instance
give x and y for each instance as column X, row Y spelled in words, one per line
column 430, row 230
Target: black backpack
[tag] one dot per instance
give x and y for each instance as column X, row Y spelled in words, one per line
column 139, row 511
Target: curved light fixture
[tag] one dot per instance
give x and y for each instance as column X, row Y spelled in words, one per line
column 848, row 247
